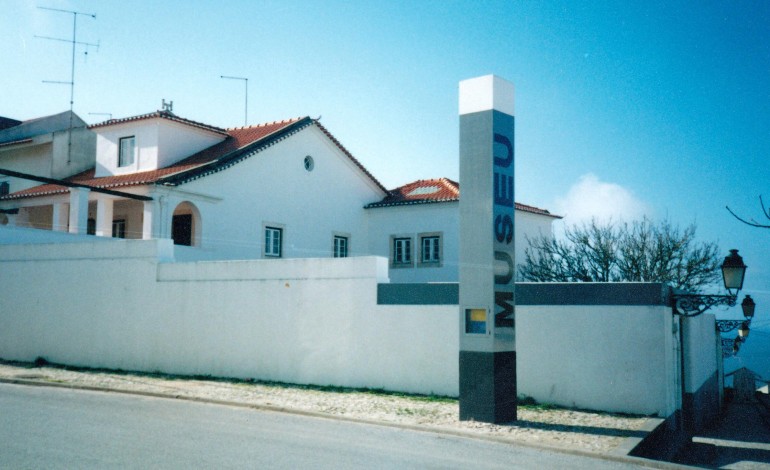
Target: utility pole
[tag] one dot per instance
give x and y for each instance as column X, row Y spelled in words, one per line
column 246, row 88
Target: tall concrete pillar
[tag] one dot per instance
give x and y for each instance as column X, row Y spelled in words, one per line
column 104, row 211
column 147, row 219
column 487, row 329
column 60, row 217
column 79, row 210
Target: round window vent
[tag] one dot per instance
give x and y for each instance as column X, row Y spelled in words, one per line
column 309, row 163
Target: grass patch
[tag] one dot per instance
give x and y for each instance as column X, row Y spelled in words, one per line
column 42, row 362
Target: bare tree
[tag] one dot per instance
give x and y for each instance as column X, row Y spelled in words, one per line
column 753, row 222
column 640, row 251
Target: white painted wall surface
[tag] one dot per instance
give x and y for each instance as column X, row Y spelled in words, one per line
column 611, row 358
column 301, row 320
column 10, row 235
column 273, row 188
column 32, row 158
column 700, row 362
column 159, row 142
column 314, row 321
column 411, row 220
column 177, row 141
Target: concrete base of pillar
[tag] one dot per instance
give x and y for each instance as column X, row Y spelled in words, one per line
column 488, row 386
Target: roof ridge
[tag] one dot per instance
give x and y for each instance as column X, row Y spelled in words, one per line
column 345, row 151
column 159, row 114
column 265, row 124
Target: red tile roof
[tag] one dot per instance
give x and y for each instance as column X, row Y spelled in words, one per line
column 436, row 190
column 241, row 142
column 240, row 138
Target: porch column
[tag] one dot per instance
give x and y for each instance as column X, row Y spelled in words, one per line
column 79, row 210
column 104, row 217
column 60, row 217
column 147, row 220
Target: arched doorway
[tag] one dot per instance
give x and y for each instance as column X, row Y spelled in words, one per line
column 186, row 225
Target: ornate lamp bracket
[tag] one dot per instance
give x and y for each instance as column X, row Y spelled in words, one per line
column 692, row 305
column 726, row 326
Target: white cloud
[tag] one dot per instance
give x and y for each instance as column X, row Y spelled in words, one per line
column 591, row 198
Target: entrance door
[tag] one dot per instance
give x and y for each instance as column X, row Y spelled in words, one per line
column 181, row 229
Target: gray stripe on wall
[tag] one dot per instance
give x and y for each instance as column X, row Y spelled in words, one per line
column 534, row 293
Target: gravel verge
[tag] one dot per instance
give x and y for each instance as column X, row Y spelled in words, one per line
column 578, row 430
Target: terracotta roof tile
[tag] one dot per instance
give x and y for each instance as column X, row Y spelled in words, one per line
column 436, row 190
column 241, row 142
column 237, row 138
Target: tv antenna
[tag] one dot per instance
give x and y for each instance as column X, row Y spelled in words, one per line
column 102, row 114
column 246, row 88
column 71, row 83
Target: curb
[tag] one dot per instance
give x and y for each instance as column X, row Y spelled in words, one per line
column 616, row 455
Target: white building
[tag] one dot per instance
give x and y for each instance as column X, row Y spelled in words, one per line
column 286, row 189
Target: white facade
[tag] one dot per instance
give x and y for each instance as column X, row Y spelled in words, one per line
column 158, row 142
column 273, row 189
column 415, row 221
column 304, row 187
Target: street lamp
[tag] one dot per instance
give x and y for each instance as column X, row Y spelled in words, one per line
column 743, row 331
column 748, row 306
column 733, row 272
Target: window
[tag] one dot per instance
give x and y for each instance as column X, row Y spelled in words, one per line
column 430, row 247
column 340, row 246
column 5, row 188
column 402, row 251
column 119, row 228
column 309, row 163
column 273, row 240
column 126, row 151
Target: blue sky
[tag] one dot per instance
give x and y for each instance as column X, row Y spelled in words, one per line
column 622, row 108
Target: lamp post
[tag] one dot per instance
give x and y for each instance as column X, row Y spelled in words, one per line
column 733, row 272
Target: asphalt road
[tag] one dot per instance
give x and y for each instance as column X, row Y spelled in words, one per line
column 42, row 427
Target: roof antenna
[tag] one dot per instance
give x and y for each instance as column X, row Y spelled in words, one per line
column 168, row 107
column 246, row 106
column 71, row 83
column 102, row 114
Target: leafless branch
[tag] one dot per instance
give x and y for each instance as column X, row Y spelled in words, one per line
column 752, row 222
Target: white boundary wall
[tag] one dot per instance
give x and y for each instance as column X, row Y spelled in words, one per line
column 123, row 305
column 300, row 320
column 602, row 357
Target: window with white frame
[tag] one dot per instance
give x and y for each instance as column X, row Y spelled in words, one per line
column 430, row 249
column 273, row 241
column 126, row 148
column 401, row 251
column 340, row 246
column 119, row 228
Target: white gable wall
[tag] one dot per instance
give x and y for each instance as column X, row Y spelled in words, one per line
column 177, row 141
column 273, row 188
column 159, row 143
column 33, row 159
